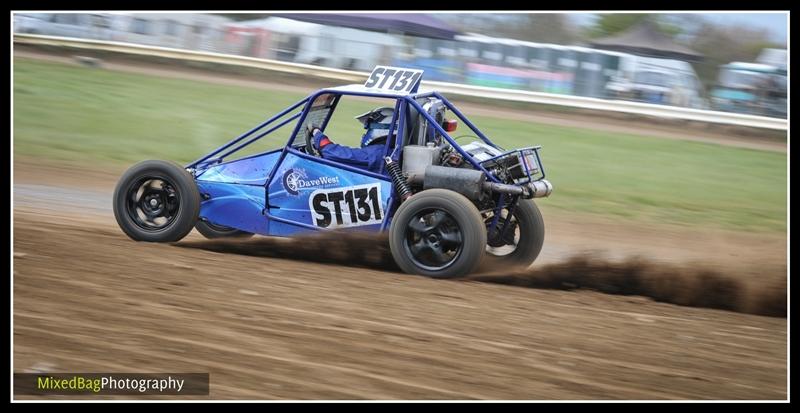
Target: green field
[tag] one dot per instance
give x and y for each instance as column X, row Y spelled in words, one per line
column 96, row 116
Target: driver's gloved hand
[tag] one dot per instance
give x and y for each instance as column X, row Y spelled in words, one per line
column 320, row 140
column 311, row 128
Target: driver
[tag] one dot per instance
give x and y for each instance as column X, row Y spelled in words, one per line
column 370, row 155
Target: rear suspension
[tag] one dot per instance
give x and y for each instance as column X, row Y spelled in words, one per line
column 399, row 181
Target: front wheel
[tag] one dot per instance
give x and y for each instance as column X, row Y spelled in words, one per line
column 522, row 240
column 437, row 233
column 156, row 201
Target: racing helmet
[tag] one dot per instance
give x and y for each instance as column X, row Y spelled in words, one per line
column 377, row 123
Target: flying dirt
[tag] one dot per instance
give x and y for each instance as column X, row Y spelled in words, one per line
column 690, row 285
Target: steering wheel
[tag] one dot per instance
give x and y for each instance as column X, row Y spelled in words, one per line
column 310, row 149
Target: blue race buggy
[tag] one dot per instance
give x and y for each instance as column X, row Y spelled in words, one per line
column 445, row 206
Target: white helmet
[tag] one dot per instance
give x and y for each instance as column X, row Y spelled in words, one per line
column 377, row 123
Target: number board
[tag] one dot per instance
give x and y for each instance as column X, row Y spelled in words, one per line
column 347, row 207
column 393, row 79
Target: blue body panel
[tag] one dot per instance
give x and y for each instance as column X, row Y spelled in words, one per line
column 235, row 192
column 316, row 194
column 251, row 171
column 305, row 194
column 234, row 205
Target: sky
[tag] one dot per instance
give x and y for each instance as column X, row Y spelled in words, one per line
column 776, row 23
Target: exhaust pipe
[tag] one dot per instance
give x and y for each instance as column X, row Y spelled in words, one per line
column 505, row 188
column 540, row 188
column 536, row 189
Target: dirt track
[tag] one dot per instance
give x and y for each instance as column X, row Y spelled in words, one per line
column 88, row 299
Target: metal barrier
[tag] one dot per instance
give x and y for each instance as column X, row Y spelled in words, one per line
column 645, row 109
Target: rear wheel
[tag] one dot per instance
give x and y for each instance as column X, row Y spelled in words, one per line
column 212, row 231
column 437, row 233
column 522, row 241
column 156, row 201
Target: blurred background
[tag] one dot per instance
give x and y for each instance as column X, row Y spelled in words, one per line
column 688, row 217
column 733, row 62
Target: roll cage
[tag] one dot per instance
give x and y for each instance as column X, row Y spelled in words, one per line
column 409, row 116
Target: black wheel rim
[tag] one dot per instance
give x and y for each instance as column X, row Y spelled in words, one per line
column 152, row 203
column 500, row 242
column 434, row 240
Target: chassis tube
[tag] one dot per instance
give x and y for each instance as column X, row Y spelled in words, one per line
column 465, row 120
column 450, row 140
column 257, row 137
column 248, row 133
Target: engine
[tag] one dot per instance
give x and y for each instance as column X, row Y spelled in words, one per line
column 444, row 167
